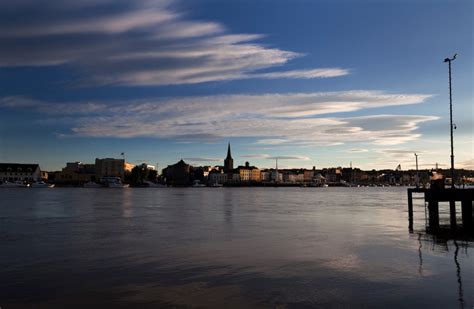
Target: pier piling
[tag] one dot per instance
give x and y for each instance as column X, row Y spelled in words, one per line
column 466, row 206
column 410, row 211
column 433, row 212
column 452, row 213
column 438, row 194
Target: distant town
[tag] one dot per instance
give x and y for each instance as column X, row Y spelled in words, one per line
column 112, row 172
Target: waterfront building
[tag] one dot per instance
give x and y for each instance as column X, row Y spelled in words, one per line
column 265, row 175
column 110, row 167
column 249, row 173
column 235, row 177
column 200, row 173
column 309, row 174
column 276, row 175
column 178, row 174
column 217, row 177
column 76, row 173
column 333, row 175
column 288, row 176
column 19, row 172
column 319, row 179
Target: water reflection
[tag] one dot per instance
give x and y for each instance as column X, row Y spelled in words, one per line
column 126, row 201
column 442, row 242
column 458, row 274
column 420, row 256
column 267, row 247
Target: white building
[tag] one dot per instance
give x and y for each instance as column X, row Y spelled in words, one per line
column 19, row 172
column 217, row 178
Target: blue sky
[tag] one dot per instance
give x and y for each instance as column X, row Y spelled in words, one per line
column 317, row 83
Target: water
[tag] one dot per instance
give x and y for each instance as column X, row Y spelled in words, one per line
column 225, row 247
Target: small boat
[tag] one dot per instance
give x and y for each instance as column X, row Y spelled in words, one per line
column 41, row 184
column 151, row 184
column 92, row 184
column 198, row 184
column 16, row 184
column 118, row 185
column 216, row 185
column 113, row 182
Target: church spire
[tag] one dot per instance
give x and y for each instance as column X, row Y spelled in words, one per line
column 229, row 155
column 228, row 162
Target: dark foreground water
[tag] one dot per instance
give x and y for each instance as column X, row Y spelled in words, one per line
column 223, row 248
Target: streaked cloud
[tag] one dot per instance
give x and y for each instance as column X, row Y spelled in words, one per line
column 256, row 156
column 269, row 157
column 294, row 120
column 302, row 158
column 199, row 159
column 306, row 74
column 137, row 43
column 358, row 150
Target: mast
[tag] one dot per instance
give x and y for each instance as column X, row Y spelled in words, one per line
column 276, row 170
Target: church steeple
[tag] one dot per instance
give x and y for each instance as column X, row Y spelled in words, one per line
column 228, row 162
column 229, row 155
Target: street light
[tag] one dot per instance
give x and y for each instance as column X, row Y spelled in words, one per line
column 448, row 60
column 417, row 177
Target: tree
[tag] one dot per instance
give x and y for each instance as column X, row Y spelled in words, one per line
column 139, row 174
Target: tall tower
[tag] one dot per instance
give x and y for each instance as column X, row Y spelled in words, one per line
column 228, row 162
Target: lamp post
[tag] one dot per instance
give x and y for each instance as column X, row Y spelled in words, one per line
column 448, row 60
column 417, row 177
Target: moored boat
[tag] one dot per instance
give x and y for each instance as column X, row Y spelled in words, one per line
column 16, row 184
column 41, row 184
column 92, row 184
column 113, row 182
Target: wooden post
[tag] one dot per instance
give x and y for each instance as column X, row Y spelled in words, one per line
column 433, row 210
column 466, row 206
column 452, row 211
column 410, row 210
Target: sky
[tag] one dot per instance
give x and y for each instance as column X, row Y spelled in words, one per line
column 313, row 83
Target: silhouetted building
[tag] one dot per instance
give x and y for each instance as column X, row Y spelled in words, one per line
column 178, row 174
column 228, row 162
column 200, row 174
column 110, row 168
column 19, row 172
column 76, row 173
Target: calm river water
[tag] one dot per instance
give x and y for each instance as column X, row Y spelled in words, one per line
column 224, row 248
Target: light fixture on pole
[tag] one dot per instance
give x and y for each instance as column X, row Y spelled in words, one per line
column 448, row 60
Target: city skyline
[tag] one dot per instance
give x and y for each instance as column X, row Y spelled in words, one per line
column 164, row 80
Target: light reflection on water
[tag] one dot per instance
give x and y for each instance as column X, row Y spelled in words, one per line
column 215, row 247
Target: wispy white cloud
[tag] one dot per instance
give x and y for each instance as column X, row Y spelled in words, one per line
column 306, row 74
column 358, row 150
column 271, row 119
column 137, row 43
column 269, row 157
column 300, row 158
column 199, row 159
column 256, row 156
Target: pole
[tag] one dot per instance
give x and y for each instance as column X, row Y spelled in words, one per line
column 451, row 121
column 448, row 60
column 417, row 176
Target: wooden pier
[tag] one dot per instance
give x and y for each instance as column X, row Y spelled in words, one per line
column 434, row 196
